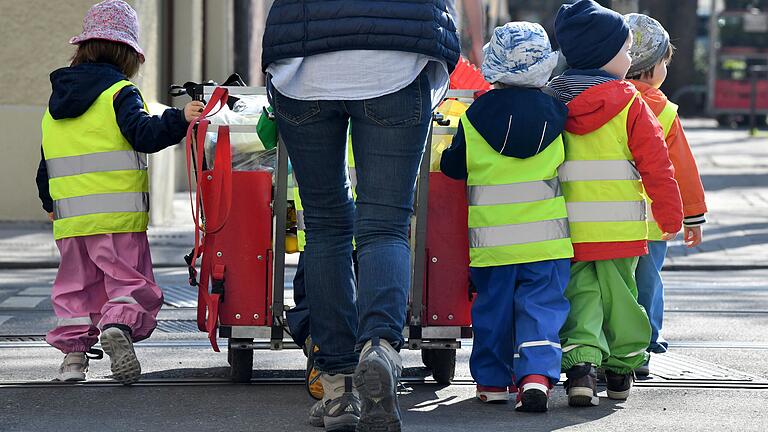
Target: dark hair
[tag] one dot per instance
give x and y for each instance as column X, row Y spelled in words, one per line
column 121, row 55
column 649, row 73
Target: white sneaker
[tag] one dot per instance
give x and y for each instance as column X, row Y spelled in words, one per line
column 74, row 367
column 119, row 347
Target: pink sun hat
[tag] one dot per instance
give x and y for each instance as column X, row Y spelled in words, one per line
column 112, row 20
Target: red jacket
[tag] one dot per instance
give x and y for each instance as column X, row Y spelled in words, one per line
column 594, row 108
column 686, row 171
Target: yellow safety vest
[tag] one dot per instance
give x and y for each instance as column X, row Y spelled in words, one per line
column 517, row 213
column 602, row 186
column 98, row 183
column 667, row 118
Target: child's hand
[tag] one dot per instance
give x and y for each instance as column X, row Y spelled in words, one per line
column 50, row 216
column 668, row 236
column 193, row 110
column 692, row 236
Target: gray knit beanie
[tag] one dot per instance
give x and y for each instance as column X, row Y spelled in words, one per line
column 650, row 43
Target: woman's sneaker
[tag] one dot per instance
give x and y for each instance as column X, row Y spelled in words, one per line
column 376, row 378
column 119, row 347
column 489, row 394
column 74, row 367
column 581, row 386
column 619, row 385
column 340, row 410
column 534, row 394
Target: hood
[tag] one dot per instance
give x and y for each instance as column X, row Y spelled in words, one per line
column 75, row 88
column 597, row 105
column 654, row 97
column 518, row 122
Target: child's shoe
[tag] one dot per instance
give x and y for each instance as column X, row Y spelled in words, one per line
column 490, row 394
column 619, row 385
column 581, row 386
column 74, row 367
column 339, row 409
column 311, row 374
column 119, row 347
column 534, row 394
column 644, row 370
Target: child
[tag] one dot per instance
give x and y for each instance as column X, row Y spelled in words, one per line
column 651, row 51
column 93, row 182
column 508, row 148
column 612, row 142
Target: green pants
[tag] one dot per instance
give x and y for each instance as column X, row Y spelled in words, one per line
column 606, row 326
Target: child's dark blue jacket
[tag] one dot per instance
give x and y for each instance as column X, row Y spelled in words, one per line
column 76, row 88
column 511, row 120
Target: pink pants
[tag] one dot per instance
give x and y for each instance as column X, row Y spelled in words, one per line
column 103, row 279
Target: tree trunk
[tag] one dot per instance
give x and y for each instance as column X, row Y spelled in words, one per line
column 680, row 20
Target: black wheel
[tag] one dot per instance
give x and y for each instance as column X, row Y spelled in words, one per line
column 426, row 357
column 241, row 361
column 442, row 362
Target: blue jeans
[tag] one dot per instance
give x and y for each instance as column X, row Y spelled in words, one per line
column 516, row 320
column 650, row 291
column 388, row 137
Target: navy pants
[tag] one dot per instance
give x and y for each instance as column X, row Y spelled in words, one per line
column 516, row 319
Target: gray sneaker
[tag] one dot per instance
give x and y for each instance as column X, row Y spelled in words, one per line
column 336, row 412
column 119, row 347
column 74, row 367
column 376, row 378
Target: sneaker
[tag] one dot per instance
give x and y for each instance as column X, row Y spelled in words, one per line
column 581, row 386
column 119, row 347
column 489, row 394
column 376, row 378
column 619, row 385
column 644, row 370
column 312, row 375
column 74, row 367
column 534, row 394
column 340, row 410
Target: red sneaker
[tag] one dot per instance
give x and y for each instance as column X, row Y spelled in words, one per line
column 534, row 394
column 490, row 394
column 513, row 387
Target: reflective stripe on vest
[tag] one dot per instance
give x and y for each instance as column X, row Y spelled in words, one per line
column 514, row 193
column 96, row 162
column 606, row 211
column 101, row 203
column 504, row 235
column 590, row 170
column 517, row 211
column 98, row 183
column 667, row 118
column 602, row 186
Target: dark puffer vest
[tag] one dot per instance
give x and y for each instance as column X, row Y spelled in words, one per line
column 301, row 28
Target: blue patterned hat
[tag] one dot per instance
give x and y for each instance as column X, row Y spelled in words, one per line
column 519, row 54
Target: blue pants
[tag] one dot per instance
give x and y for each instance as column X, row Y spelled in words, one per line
column 388, row 138
column 516, row 320
column 650, row 291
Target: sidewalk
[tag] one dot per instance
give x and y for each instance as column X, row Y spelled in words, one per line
column 734, row 169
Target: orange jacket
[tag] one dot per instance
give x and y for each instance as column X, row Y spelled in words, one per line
column 686, row 171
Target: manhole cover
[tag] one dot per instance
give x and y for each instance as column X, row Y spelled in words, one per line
column 679, row 367
column 185, row 326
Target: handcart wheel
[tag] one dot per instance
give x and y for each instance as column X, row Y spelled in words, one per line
column 241, row 361
column 442, row 362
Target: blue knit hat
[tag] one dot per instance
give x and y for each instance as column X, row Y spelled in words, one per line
column 589, row 35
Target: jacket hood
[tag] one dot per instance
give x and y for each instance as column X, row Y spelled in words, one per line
column 654, row 97
column 75, row 88
column 518, row 122
column 597, row 105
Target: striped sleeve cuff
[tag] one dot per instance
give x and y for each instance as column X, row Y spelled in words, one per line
column 691, row 221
